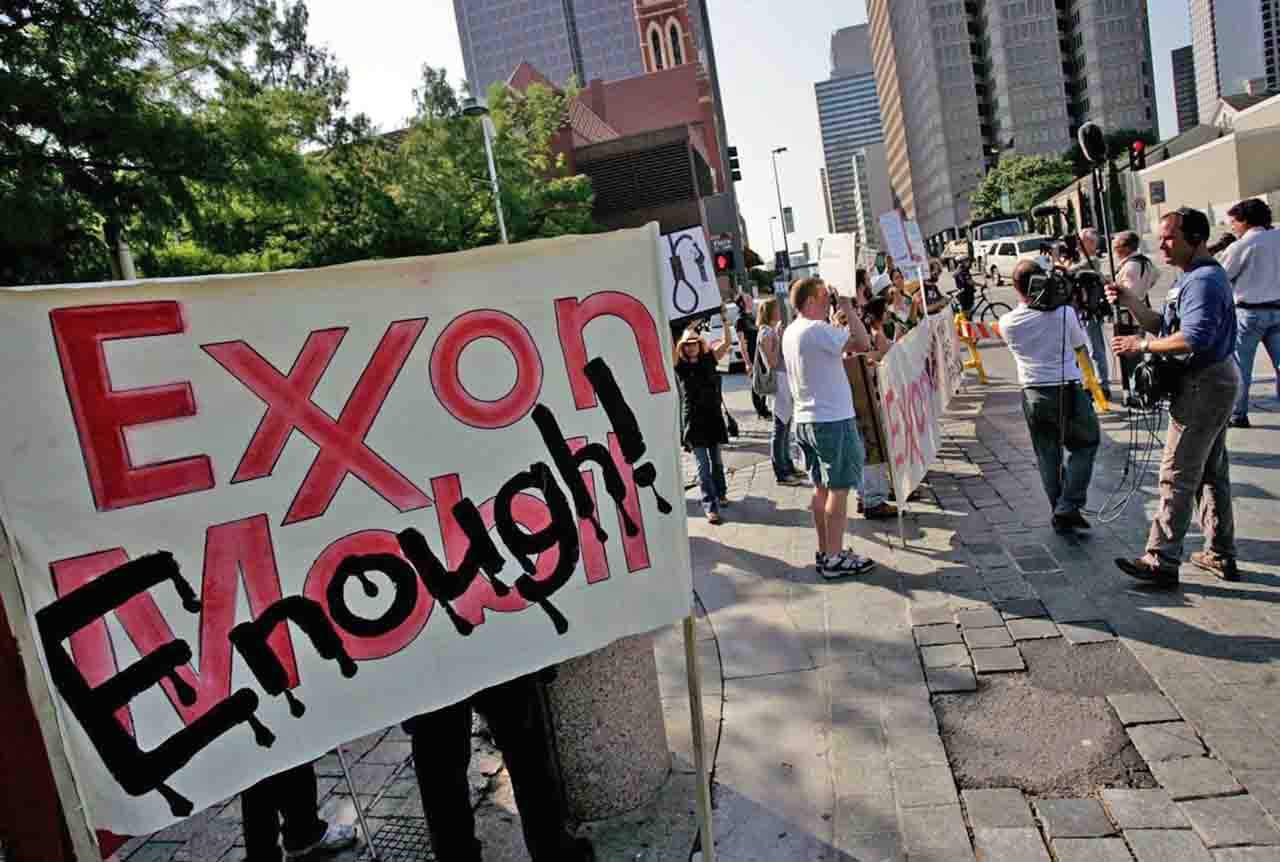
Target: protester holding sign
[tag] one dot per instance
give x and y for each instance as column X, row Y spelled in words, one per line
column 770, row 322
column 900, row 318
column 516, row 714
column 873, row 502
column 814, row 353
column 704, row 429
column 286, row 802
column 749, row 336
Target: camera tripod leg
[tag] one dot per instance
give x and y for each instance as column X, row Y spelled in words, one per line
column 1091, row 380
column 966, row 335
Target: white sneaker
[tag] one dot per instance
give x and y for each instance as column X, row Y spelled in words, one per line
column 844, row 564
column 338, row 836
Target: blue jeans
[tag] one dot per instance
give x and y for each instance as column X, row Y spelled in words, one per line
column 710, row 477
column 1255, row 326
column 1098, row 353
column 780, row 450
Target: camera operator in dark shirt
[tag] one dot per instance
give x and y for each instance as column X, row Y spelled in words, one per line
column 1197, row 331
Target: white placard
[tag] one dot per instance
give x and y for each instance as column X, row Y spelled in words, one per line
column 255, row 517
column 894, row 234
column 915, row 243
column 688, row 274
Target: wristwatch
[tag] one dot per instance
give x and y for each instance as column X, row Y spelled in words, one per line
column 1145, row 345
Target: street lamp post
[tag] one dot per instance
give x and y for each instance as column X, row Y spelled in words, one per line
column 777, row 185
column 473, row 107
column 773, row 243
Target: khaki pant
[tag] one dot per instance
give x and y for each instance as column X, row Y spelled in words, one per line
column 1194, row 470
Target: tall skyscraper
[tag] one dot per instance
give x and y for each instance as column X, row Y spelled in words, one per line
column 582, row 39
column 1184, row 88
column 985, row 79
column 1235, row 44
column 849, row 119
column 872, row 196
column 826, row 199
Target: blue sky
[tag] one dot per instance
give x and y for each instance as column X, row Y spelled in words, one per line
column 770, row 54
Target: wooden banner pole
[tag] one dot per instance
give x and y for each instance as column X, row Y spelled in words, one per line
column 694, row 675
column 355, row 800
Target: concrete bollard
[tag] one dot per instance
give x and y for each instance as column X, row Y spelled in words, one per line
column 609, row 731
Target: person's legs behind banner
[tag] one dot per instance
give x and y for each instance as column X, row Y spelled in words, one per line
column 516, row 713
column 286, row 802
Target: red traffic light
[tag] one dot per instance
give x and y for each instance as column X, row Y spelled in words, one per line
column 723, row 263
column 1139, row 146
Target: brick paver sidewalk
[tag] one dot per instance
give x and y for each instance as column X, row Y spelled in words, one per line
column 826, row 741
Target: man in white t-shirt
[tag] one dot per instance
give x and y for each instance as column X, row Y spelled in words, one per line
column 822, row 409
column 1059, row 413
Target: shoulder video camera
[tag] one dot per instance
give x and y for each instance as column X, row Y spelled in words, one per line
column 1049, row 291
column 1084, row 289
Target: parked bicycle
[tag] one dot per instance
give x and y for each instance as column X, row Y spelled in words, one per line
column 983, row 308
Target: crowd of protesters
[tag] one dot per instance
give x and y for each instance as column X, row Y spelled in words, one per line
column 798, row 352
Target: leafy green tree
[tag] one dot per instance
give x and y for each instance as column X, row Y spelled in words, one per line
column 427, row 190
column 216, row 138
column 117, row 115
column 1027, row 180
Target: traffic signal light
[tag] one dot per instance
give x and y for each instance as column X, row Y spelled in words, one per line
column 724, row 262
column 1137, row 156
column 735, row 170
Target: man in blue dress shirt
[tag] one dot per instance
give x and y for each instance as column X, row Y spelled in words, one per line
column 1198, row 328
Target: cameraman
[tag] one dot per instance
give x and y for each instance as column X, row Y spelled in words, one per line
column 1097, row 338
column 1043, row 340
column 1199, row 327
column 1137, row 274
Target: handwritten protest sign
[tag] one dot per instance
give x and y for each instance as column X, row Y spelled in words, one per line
column 919, row 252
column 688, row 278
column 255, row 517
column 918, row 379
column 894, row 233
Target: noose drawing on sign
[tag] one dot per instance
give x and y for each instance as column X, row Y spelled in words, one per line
column 682, row 282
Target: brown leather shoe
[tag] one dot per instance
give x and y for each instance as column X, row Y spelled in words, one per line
column 1158, row 577
column 1223, row 567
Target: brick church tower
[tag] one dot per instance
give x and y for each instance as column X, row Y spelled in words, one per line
column 666, row 42
column 666, row 34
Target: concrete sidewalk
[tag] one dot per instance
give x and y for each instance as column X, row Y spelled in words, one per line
column 827, row 704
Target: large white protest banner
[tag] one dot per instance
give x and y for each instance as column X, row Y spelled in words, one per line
column 255, row 517
column 918, row 379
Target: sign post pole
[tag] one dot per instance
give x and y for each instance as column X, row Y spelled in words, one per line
column 355, row 800
column 694, row 674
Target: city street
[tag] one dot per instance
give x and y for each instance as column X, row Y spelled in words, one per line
column 319, row 325
column 843, row 722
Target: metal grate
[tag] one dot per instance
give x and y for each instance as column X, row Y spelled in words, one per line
column 401, row 839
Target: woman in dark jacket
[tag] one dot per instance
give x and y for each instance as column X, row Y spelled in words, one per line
column 704, row 431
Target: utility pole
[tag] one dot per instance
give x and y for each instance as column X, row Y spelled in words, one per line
column 739, row 247
column 781, row 213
